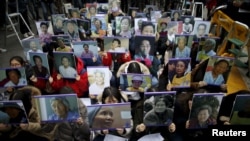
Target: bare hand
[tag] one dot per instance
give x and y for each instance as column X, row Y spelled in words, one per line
column 171, row 127
column 94, row 59
column 78, row 77
column 105, row 131
column 141, row 127
column 79, row 120
column 223, row 87
column 50, row 79
column 24, row 126
column 187, row 124
column 202, row 84
column 59, row 76
column 92, row 96
column 33, row 78
column 169, row 86
column 120, row 130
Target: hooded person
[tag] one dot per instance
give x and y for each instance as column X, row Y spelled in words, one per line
column 4, row 118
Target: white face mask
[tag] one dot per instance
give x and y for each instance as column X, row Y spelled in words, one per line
column 115, row 9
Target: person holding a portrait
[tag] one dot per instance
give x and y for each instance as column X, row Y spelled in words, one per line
column 38, row 68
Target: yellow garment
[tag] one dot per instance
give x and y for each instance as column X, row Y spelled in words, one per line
column 132, row 89
column 236, row 120
column 182, row 81
column 66, row 49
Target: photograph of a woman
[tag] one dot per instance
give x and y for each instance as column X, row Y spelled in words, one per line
column 40, row 64
column 16, row 77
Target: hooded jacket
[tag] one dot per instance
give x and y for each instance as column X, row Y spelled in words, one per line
column 79, row 87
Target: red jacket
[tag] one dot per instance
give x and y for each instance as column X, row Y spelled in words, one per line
column 107, row 60
column 80, row 87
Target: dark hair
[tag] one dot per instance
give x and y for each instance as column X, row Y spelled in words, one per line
column 164, row 98
column 124, row 18
column 112, row 92
column 65, row 57
column 44, row 23
column 37, row 57
column 147, row 23
column 10, row 70
column 186, row 62
column 115, row 39
column 25, row 95
column 204, row 107
column 85, row 45
column 178, row 12
column 18, row 59
column 134, row 67
column 95, row 19
column 220, row 61
column 71, row 21
column 202, row 24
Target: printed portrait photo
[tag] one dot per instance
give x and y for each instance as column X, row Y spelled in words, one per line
column 66, row 39
column 116, row 44
column 85, row 49
column 132, row 11
column 109, row 116
column 71, row 29
column 217, row 71
column 65, row 64
column 155, row 15
column 12, row 77
column 31, row 45
column 204, row 110
column 102, row 8
column 40, row 64
column 98, row 26
column 148, row 28
column 138, row 25
column 158, row 108
column 74, row 13
column 162, row 26
column 45, row 30
column 179, row 72
column 201, row 28
column 173, row 28
column 176, row 15
column 84, row 27
column 12, row 112
column 144, row 47
column 57, row 22
column 123, row 26
column 188, row 24
column 207, row 48
column 99, row 78
column 91, row 10
column 182, row 46
column 57, row 108
column 240, row 114
column 141, row 15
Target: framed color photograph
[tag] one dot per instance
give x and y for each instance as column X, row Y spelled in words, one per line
column 31, row 45
column 13, row 77
column 116, row 44
column 71, row 29
column 159, row 103
column 45, row 29
column 109, row 116
column 98, row 26
column 138, row 25
column 40, row 64
column 123, row 26
column 182, row 46
column 66, row 39
column 85, row 49
column 57, row 22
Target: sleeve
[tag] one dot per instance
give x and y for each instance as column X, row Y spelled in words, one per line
column 126, row 58
column 40, row 84
column 107, row 61
column 56, row 84
column 83, row 82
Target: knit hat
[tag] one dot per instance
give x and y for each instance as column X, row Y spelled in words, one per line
column 92, row 111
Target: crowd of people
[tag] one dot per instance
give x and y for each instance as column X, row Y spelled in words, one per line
column 178, row 67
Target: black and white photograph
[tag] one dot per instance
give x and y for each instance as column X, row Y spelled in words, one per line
column 57, row 22
column 31, row 45
column 71, row 29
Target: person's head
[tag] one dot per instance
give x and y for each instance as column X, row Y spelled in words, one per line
column 134, row 67
column 182, row 42
column 86, row 48
column 116, row 43
column 33, row 46
column 203, row 113
column 172, row 27
column 12, row 109
column 171, row 65
column 98, row 23
column 176, row 15
column 13, row 75
column 112, row 95
column 220, row 67
column 60, row 106
column 65, row 61
column 201, row 29
column 115, row 6
column 147, row 28
column 161, row 103
column 209, row 45
column 44, row 27
column 71, row 26
column 163, row 25
column 99, row 77
column 75, row 14
column 125, row 24
column 145, row 47
column 101, row 117
column 60, row 42
column 92, row 9
column 181, row 67
column 16, row 61
column 133, row 13
column 187, row 20
column 38, row 61
column 59, row 22
column 137, row 81
column 157, row 15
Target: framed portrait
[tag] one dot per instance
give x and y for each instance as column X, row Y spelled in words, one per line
column 109, row 116
column 138, row 25
column 65, row 64
column 57, row 22
column 159, row 103
column 132, row 11
column 85, row 49
column 98, row 26
column 66, row 39
column 44, row 28
column 49, row 111
column 71, row 29
column 31, row 45
column 144, row 45
column 176, row 15
column 174, row 27
column 74, row 13
column 207, row 47
column 155, row 16
column 150, row 8
column 188, row 24
column 148, row 28
column 179, row 72
column 99, row 78
column 162, row 24
column 201, row 28
column 13, row 77
column 102, row 8
column 240, row 111
column 114, row 5
column 206, row 104
column 131, row 83
column 182, row 46
column 217, row 70
column 40, row 64
column 123, row 26
column 84, row 26
column 6, row 116
column 91, row 10
column 116, row 44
